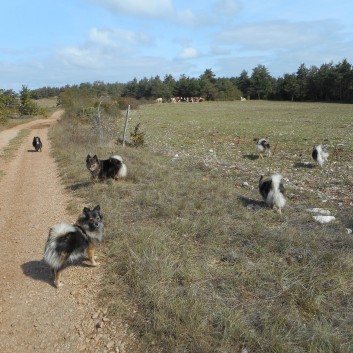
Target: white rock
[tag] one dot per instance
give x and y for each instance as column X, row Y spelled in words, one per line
column 324, row 219
column 349, row 231
column 319, row 210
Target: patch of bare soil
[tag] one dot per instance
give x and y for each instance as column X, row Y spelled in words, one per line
column 34, row 315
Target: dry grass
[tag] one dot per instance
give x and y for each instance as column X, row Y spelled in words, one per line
column 49, row 103
column 9, row 123
column 9, row 151
column 192, row 246
column 12, row 147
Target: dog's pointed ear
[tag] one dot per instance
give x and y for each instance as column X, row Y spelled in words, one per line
column 98, row 208
column 88, row 156
column 85, row 210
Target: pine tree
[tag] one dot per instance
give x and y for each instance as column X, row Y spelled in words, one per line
column 27, row 107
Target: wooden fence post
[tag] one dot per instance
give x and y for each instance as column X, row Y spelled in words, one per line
column 126, row 121
column 100, row 125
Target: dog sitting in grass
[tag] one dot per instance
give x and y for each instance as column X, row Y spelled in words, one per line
column 111, row 168
column 319, row 155
column 272, row 191
column 263, row 148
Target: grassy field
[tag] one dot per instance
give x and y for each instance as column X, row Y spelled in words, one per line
column 49, row 103
column 192, row 248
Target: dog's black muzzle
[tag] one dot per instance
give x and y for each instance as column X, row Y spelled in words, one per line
column 93, row 225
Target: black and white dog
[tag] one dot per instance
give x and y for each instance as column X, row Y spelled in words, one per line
column 272, row 191
column 263, row 148
column 68, row 242
column 37, row 143
column 319, row 155
column 111, row 168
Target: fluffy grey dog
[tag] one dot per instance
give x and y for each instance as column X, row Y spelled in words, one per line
column 68, row 242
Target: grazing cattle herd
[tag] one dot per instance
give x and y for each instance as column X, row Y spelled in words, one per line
column 181, row 100
column 186, row 100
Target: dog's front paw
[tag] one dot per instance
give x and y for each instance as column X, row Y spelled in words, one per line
column 58, row 284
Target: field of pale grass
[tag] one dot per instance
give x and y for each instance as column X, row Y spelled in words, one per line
column 193, row 249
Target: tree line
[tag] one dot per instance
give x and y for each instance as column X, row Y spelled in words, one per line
column 328, row 83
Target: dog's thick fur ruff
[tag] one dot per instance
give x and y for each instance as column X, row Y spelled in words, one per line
column 37, row 143
column 272, row 191
column 319, row 155
column 263, row 148
column 68, row 242
column 112, row 168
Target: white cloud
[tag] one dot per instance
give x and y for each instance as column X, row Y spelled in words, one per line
column 102, row 37
column 117, row 37
column 150, row 8
column 162, row 10
column 82, row 57
column 102, row 48
column 188, row 53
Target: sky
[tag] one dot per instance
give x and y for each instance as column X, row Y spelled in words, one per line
column 67, row 42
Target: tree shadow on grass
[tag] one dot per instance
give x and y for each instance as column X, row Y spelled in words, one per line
column 305, row 165
column 250, row 156
column 79, row 185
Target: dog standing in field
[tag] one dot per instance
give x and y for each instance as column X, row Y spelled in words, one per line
column 263, row 148
column 272, row 191
column 37, row 143
column 111, row 168
column 68, row 242
column 319, row 155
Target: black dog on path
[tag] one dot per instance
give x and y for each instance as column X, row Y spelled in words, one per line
column 37, row 143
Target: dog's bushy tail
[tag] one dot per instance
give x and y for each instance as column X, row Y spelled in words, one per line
column 51, row 252
column 123, row 170
column 119, row 158
column 276, row 194
column 322, row 155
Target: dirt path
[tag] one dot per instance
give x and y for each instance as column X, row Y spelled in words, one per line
column 35, row 316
